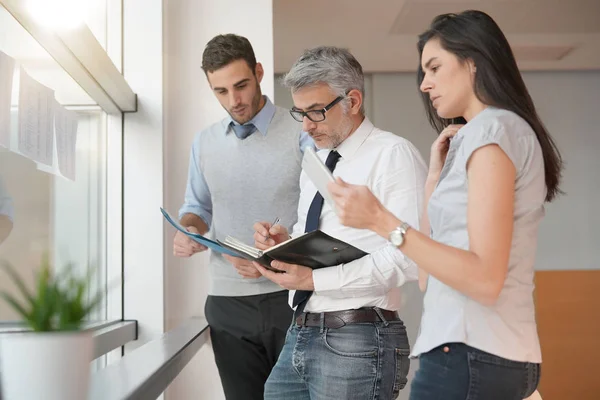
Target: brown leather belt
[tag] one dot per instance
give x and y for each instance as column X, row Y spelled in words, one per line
column 337, row 319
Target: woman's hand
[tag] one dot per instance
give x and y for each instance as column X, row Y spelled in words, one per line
column 356, row 206
column 439, row 150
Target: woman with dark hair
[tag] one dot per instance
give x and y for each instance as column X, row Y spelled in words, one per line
column 488, row 180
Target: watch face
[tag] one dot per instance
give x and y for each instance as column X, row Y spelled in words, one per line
column 396, row 237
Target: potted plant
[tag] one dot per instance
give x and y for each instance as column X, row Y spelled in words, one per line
column 52, row 361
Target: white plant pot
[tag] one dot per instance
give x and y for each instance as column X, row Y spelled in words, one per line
column 49, row 366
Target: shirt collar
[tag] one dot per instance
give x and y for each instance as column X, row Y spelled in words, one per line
column 353, row 142
column 261, row 121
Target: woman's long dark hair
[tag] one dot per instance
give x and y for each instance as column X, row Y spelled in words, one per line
column 473, row 35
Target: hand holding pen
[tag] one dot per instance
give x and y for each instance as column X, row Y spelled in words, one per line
column 268, row 235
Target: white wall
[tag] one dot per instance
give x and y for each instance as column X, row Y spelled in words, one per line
column 143, row 169
column 190, row 106
column 569, row 104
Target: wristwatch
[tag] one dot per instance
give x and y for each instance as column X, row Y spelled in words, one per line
column 397, row 235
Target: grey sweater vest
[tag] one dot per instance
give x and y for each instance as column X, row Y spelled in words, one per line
column 250, row 180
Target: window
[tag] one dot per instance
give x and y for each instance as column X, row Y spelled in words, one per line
column 56, row 210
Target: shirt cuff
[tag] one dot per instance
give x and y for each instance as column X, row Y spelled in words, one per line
column 206, row 217
column 327, row 279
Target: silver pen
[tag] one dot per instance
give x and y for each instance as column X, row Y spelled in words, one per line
column 272, row 225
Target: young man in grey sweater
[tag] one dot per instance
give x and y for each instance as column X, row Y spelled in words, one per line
column 242, row 169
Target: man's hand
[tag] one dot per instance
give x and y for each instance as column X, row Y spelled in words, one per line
column 244, row 267
column 184, row 246
column 266, row 236
column 294, row 277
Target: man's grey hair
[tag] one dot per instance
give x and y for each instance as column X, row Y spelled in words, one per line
column 333, row 66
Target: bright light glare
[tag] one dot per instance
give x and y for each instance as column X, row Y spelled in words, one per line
column 58, row 14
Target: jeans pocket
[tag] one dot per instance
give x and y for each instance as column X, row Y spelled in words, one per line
column 533, row 379
column 495, row 378
column 402, row 368
column 354, row 340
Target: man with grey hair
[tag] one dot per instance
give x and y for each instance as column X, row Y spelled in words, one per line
column 347, row 340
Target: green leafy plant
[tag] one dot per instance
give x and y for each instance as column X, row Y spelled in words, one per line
column 59, row 301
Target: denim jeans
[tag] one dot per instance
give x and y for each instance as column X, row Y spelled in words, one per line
column 357, row 361
column 465, row 373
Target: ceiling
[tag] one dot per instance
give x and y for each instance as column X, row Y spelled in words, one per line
column 544, row 34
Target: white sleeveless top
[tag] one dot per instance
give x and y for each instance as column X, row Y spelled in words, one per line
column 508, row 328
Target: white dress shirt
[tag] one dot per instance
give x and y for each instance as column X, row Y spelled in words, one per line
column 395, row 172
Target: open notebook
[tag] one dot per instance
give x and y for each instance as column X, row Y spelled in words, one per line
column 314, row 249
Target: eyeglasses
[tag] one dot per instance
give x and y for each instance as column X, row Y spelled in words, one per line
column 315, row 115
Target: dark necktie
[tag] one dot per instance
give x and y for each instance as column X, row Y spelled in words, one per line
column 312, row 223
column 243, row 131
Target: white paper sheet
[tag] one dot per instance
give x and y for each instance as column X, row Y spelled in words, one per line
column 65, row 126
column 7, row 66
column 318, row 173
column 36, row 119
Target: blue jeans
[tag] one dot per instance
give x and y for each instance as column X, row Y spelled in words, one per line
column 357, row 361
column 465, row 373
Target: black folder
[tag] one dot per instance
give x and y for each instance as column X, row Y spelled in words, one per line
column 315, row 250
